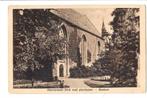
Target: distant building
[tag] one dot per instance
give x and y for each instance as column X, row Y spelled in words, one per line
column 85, row 42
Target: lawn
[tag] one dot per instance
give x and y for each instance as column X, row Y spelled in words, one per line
column 96, row 82
column 36, row 84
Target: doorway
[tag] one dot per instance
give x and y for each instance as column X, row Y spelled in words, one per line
column 61, row 71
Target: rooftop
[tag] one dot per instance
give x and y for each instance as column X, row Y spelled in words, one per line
column 76, row 19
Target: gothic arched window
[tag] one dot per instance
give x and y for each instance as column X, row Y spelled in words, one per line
column 98, row 43
column 62, row 32
column 98, row 47
column 84, row 50
column 63, row 38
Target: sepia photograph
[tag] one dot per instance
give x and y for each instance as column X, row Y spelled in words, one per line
column 68, row 49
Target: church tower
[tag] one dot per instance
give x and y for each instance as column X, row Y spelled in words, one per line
column 105, row 36
column 104, row 31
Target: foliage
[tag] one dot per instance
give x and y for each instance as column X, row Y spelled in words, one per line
column 36, row 40
column 123, row 55
column 83, row 71
column 121, row 59
column 80, row 72
column 126, row 40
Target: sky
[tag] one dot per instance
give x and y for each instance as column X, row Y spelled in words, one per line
column 97, row 16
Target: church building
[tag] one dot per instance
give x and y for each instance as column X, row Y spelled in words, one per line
column 85, row 43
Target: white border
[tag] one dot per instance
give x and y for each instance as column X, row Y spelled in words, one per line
column 4, row 48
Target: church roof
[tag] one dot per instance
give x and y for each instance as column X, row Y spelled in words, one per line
column 76, row 19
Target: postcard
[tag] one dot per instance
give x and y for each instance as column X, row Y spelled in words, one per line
column 77, row 48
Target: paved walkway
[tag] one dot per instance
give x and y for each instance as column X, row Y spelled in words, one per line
column 75, row 83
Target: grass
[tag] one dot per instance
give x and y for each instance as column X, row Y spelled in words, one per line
column 36, row 84
column 96, row 84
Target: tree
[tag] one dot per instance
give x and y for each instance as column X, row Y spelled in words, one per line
column 36, row 40
column 126, row 40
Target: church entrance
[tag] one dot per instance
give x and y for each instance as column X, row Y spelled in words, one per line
column 61, row 71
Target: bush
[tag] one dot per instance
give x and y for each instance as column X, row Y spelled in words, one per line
column 84, row 71
column 41, row 74
column 18, row 75
column 80, row 72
